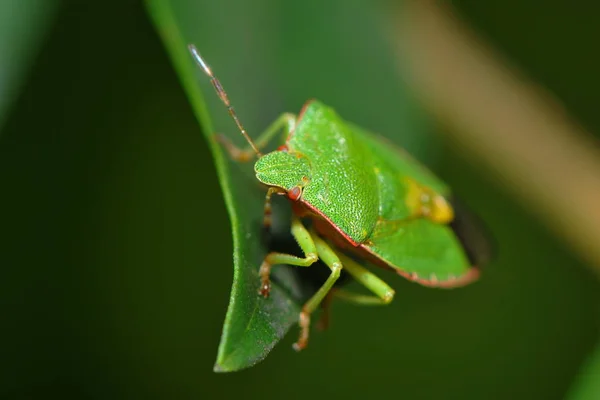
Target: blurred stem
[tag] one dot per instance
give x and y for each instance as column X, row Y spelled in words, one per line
column 514, row 127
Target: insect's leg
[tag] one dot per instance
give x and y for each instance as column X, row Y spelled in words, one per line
column 323, row 323
column 308, row 247
column 383, row 293
column 285, row 121
column 267, row 209
column 330, row 258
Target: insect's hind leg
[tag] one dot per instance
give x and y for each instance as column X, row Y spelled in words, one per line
column 305, row 241
column 285, row 123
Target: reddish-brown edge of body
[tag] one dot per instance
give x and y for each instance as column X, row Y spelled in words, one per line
column 470, row 276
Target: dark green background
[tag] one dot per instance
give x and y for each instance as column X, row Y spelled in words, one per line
column 116, row 249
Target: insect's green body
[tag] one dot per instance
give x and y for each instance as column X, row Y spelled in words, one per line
column 363, row 195
column 362, row 186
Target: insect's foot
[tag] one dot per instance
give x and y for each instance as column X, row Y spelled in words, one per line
column 299, row 346
column 265, row 288
column 304, row 322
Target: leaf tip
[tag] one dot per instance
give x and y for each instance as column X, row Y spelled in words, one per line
column 218, row 368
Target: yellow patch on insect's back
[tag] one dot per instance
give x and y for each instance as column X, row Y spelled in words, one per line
column 424, row 202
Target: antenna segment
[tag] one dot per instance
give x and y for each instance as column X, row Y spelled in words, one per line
column 222, row 95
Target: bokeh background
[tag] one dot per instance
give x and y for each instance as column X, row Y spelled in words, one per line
column 116, row 246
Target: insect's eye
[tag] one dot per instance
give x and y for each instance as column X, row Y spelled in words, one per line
column 294, row 193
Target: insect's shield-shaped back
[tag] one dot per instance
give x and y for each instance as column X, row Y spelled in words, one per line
column 282, row 169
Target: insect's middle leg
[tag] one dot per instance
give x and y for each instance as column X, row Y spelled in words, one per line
column 285, row 122
column 305, row 241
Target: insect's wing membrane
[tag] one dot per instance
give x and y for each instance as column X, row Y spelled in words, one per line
column 472, row 234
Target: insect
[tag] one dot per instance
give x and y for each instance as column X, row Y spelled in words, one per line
column 364, row 200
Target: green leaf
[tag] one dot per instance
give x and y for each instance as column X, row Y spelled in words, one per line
column 22, row 25
column 267, row 61
column 252, row 325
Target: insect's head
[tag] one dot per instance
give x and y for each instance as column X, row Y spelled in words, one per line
column 284, row 170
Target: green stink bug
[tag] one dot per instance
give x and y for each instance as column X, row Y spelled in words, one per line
column 364, row 199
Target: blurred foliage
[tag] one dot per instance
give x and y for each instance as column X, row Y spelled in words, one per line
column 22, row 28
column 117, row 248
column 587, row 384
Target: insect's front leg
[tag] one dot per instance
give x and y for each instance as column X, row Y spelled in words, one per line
column 285, row 123
column 308, row 247
column 267, row 211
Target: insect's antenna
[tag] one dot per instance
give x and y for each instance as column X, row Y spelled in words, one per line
column 222, row 95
